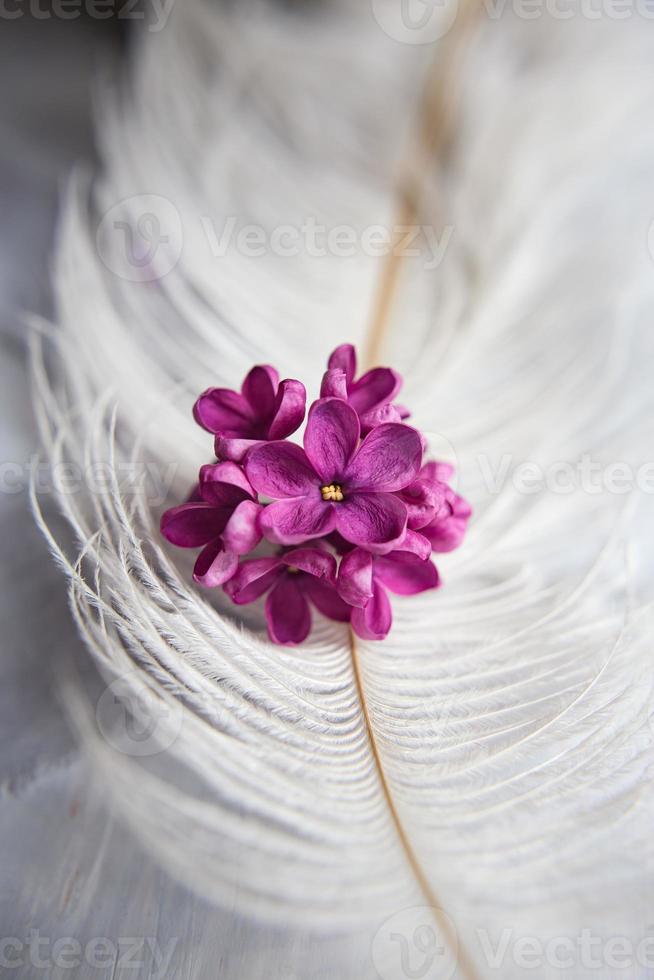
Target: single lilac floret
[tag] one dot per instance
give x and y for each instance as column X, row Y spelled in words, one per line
column 364, row 578
column 224, row 522
column 292, row 580
column 370, row 395
column 265, row 408
column 335, row 483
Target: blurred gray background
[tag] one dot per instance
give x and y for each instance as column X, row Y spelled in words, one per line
column 78, row 897
column 47, row 68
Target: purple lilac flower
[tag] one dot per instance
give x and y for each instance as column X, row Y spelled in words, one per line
column 370, row 396
column 363, row 579
column 447, row 528
column 367, row 503
column 292, row 579
column 335, row 483
column 265, row 408
column 223, row 522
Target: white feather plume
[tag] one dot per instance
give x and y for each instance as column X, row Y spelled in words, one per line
column 510, row 711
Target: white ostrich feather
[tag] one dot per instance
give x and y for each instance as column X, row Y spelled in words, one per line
column 492, row 756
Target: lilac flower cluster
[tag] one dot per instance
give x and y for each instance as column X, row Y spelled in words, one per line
column 354, row 513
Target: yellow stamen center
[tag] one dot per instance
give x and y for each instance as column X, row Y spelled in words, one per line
column 332, row 492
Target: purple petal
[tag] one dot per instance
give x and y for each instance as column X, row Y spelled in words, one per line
column 326, row 600
column 416, row 544
column 288, row 410
column 296, row 520
column 252, row 579
column 334, row 384
column 447, row 530
column 214, row 565
column 281, row 469
column 344, row 358
column 355, row 577
column 194, row 496
column 223, row 410
column 234, row 449
column 446, row 535
column 378, row 416
column 371, row 519
column 437, row 472
column 374, row 388
column 260, row 388
column 193, row 525
column 242, row 533
column 331, row 437
column 460, row 506
column 423, row 499
column 287, row 612
column 224, row 484
column 388, row 459
column 373, row 622
column 313, row 561
column 406, row 574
